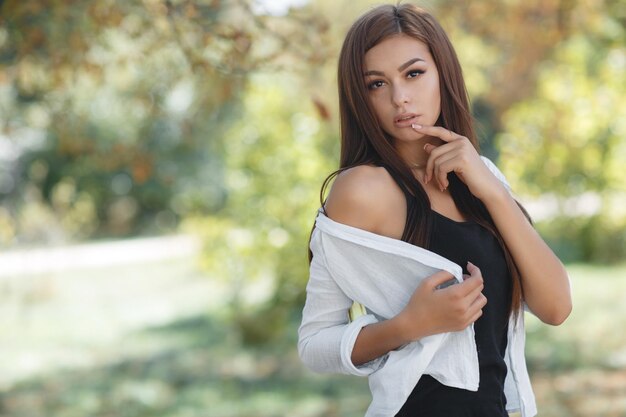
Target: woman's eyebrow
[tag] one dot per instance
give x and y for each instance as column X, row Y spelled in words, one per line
column 400, row 68
column 409, row 62
column 374, row 72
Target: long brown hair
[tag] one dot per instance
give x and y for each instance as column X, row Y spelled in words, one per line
column 363, row 141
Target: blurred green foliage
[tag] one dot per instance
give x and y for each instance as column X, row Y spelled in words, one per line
column 594, row 238
column 122, row 115
column 121, row 118
column 115, row 113
column 258, row 242
column 569, row 137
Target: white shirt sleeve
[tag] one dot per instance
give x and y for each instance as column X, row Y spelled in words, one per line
column 326, row 337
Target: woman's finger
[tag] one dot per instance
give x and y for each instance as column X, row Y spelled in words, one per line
column 468, row 285
column 445, row 164
column 438, row 278
column 435, row 152
column 479, row 302
column 441, row 132
column 474, row 296
column 475, row 317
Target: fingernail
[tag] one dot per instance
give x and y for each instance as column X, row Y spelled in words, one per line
column 416, row 126
column 425, row 146
column 469, row 263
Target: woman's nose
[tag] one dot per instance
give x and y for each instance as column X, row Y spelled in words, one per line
column 400, row 96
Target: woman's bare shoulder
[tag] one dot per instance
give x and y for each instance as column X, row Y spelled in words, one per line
column 363, row 196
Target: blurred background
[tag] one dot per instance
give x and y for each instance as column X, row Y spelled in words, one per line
column 160, row 169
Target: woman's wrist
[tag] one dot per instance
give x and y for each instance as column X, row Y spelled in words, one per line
column 497, row 196
column 404, row 326
column 378, row 339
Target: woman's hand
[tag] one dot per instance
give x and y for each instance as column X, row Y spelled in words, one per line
column 457, row 155
column 432, row 311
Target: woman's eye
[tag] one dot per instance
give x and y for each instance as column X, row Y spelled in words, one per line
column 414, row 73
column 375, row 84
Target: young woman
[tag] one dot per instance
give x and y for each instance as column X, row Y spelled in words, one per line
column 413, row 209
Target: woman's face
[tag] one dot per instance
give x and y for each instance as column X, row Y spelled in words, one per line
column 403, row 86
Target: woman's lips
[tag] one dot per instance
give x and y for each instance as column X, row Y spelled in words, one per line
column 405, row 121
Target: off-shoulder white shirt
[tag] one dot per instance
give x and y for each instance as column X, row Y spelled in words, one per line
column 381, row 273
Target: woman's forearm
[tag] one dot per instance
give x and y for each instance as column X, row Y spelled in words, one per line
column 376, row 340
column 545, row 283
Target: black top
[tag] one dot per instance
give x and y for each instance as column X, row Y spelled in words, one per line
column 461, row 242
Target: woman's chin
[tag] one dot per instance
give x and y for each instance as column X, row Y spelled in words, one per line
column 408, row 136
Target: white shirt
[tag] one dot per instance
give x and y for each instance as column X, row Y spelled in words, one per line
column 351, row 264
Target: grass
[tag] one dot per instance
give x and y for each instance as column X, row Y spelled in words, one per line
column 194, row 364
column 579, row 368
column 591, row 336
